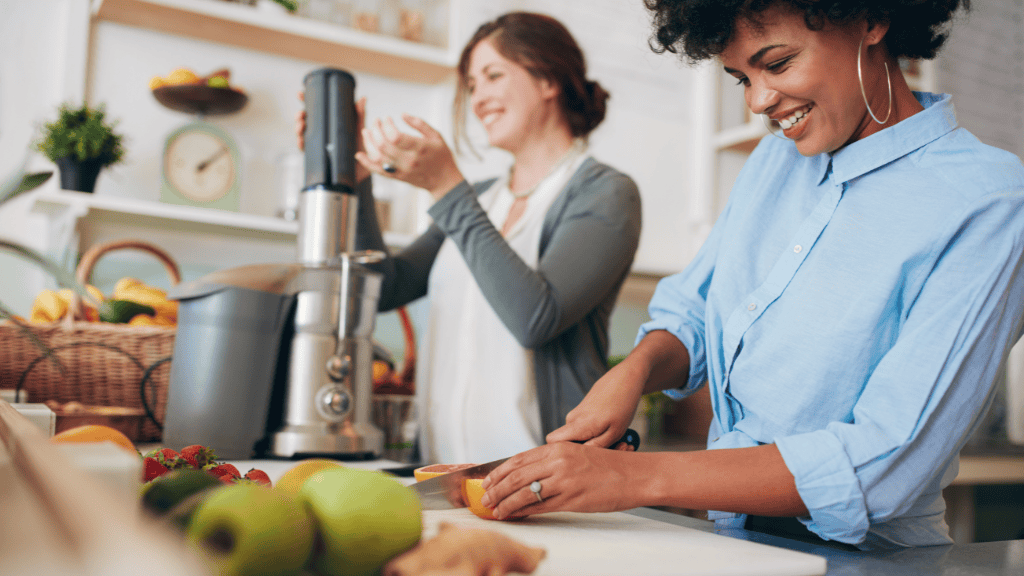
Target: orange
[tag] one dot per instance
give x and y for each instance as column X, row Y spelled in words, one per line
column 94, row 433
column 433, row 470
column 295, row 476
column 472, row 492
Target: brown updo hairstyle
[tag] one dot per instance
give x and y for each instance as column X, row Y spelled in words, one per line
column 546, row 49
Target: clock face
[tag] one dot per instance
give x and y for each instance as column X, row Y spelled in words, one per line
column 200, row 164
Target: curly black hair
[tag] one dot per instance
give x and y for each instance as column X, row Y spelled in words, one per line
column 701, row 29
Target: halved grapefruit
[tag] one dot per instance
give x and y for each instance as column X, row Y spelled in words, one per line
column 427, row 472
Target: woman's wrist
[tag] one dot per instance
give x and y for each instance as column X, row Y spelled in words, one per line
column 445, row 184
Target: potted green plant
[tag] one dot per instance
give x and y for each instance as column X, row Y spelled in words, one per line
column 81, row 143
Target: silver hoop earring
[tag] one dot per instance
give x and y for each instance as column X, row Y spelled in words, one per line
column 860, row 78
column 767, row 124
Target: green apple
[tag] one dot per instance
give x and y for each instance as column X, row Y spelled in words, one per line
column 364, row 518
column 250, row 530
column 161, row 494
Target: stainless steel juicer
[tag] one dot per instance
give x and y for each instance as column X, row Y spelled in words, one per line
column 277, row 359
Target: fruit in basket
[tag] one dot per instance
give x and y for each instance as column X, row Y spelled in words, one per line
column 122, row 311
column 291, row 481
column 170, row 489
column 364, row 518
column 52, row 305
column 243, row 530
column 138, row 291
column 94, row 433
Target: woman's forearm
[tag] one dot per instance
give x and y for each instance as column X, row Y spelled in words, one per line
column 660, row 361
column 745, row 480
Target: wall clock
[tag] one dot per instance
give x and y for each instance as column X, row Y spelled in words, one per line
column 201, row 167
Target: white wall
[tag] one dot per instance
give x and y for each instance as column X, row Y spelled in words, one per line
column 34, row 41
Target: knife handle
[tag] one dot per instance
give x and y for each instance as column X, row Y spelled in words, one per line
column 629, row 437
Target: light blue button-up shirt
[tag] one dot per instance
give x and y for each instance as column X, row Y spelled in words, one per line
column 856, row 309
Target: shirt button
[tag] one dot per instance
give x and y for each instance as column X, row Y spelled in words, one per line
column 752, row 307
column 797, row 248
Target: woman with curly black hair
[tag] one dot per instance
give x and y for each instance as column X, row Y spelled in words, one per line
column 850, row 311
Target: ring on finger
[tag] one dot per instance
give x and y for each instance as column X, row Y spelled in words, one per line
column 535, row 487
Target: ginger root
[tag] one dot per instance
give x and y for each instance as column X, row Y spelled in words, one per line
column 457, row 551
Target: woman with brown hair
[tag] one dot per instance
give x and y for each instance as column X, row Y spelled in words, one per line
column 521, row 271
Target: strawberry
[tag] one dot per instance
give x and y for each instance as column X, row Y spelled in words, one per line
column 222, row 469
column 168, row 458
column 228, row 479
column 151, row 468
column 258, row 476
column 198, row 456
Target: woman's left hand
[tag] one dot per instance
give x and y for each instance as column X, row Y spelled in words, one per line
column 572, row 477
column 424, row 161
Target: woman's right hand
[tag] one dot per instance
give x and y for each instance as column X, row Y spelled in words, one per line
column 422, row 160
column 300, row 131
column 607, row 410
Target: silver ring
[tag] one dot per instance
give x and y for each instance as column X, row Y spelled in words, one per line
column 389, row 168
column 535, row 488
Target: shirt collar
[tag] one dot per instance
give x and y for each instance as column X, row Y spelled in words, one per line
column 936, row 120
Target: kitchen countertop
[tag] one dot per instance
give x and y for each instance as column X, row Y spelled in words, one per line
column 1004, row 558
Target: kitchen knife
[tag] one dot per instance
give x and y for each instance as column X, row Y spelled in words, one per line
column 445, row 491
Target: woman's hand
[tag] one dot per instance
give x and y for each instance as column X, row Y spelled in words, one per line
column 424, row 161
column 606, row 411
column 572, row 477
column 300, row 131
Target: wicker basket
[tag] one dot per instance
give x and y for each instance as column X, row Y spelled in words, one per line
column 94, row 363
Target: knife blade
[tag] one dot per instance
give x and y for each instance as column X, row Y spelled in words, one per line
column 445, row 491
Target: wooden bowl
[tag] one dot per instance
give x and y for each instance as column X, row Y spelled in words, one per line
column 201, row 99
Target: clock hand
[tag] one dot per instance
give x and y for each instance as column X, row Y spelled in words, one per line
column 202, row 165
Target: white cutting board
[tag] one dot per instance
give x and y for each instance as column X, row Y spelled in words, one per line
column 620, row 544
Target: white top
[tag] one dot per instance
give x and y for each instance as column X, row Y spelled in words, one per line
column 476, row 394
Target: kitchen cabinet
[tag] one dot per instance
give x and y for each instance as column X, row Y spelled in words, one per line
column 277, row 32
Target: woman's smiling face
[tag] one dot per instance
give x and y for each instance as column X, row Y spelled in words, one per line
column 805, row 79
column 508, row 100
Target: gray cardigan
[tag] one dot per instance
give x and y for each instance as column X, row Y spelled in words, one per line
column 562, row 309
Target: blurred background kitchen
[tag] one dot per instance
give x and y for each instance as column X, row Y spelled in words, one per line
column 681, row 132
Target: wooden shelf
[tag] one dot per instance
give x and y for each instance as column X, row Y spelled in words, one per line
column 284, row 34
